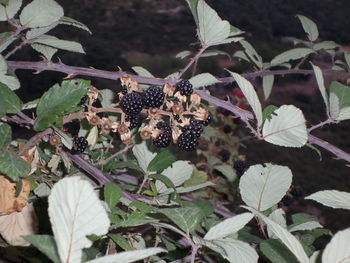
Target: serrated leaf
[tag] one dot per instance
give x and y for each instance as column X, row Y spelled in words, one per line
column 162, row 161
column 75, row 212
column 344, row 114
column 36, row 32
column 72, row 22
column 334, row 107
column 12, row 165
column 46, row 51
column 261, row 187
column 310, row 27
column 250, row 94
column 267, row 85
column 5, row 134
column 320, row 84
column 8, row 11
column 41, row 13
column 227, row 171
column 268, row 111
column 212, row 29
column 129, row 256
column 275, row 251
column 193, row 7
column 231, row 249
column 54, row 42
column 338, row 249
column 293, row 54
column 343, row 93
column 203, row 80
column 325, row 45
column 186, row 218
column 9, row 101
column 66, row 140
column 287, row 127
column 229, row 226
column 46, row 244
column 306, row 226
column 253, row 56
column 332, row 198
column 112, row 194
column 287, row 238
column 142, row 72
column 57, row 100
column 11, row 82
column 183, row 54
column 143, row 155
column 278, row 216
column 214, row 52
column 178, row 173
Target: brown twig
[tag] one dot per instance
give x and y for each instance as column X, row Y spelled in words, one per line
column 35, row 140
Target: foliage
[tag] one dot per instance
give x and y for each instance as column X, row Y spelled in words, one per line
column 95, row 157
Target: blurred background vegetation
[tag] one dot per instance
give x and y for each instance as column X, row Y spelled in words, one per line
column 150, row 33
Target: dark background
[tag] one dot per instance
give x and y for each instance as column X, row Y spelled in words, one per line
column 150, row 33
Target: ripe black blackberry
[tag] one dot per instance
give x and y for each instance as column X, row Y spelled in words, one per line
column 153, row 97
column 194, row 130
column 208, row 120
column 132, row 103
column 164, row 138
column 225, row 155
column 296, row 191
column 135, row 120
column 186, row 142
column 79, row 144
column 176, row 117
column 184, row 87
column 240, row 166
column 287, row 200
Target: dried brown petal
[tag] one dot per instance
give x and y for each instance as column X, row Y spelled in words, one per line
column 18, row 224
column 146, row 132
column 126, row 138
column 177, row 109
column 201, row 114
column 93, row 118
column 123, row 129
column 106, row 125
column 55, row 140
column 126, row 81
column 180, row 97
column 169, row 89
column 154, row 113
column 8, row 200
column 176, row 134
column 195, row 99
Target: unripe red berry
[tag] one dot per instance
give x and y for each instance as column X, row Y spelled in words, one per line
column 242, row 105
column 238, row 93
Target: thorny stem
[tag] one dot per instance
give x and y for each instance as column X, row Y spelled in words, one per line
column 104, row 161
column 193, row 60
column 321, row 124
column 18, row 47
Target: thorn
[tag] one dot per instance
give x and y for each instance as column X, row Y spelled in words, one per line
column 92, row 67
column 37, row 72
column 43, row 58
column 119, row 68
column 69, row 76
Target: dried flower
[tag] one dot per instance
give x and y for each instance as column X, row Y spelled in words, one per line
column 169, row 89
column 131, row 84
column 93, row 118
column 181, row 98
column 106, row 125
column 93, row 94
column 146, row 132
column 195, row 99
column 123, row 128
column 126, row 138
column 176, row 134
column 201, row 114
column 177, row 109
column 55, row 140
column 154, row 113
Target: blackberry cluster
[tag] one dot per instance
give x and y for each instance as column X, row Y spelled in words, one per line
column 240, row 166
column 154, row 97
column 184, row 87
column 164, row 138
column 79, row 144
column 135, row 120
column 132, row 103
column 188, row 140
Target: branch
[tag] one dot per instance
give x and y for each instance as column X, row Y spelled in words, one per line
column 35, row 140
column 193, row 60
column 18, row 47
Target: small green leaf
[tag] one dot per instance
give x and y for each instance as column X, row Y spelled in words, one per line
column 41, row 13
column 54, row 42
column 277, row 252
column 293, row 54
column 46, row 244
column 342, row 92
column 114, row 164
column 112, row 194
column 5, row 134
column 57, row 100
column 121, row 241
column 45, row 50
column 72, row 22
column 165, row 180
column 310, row 27
column 203, row 80
column 162, row 161
column 193, row 7
column 143, row 155
column 9, row 101
column 268, row 111
column 250, row 54
column 142, row 72
column 267, row 85
column 12, row 165
column 10, row 9
column 227, row 171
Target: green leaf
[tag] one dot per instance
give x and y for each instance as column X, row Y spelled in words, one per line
column 338, row 249
column 267, row 85
column 268, row 111
column 37, row 32
column 162, row 161
column 10, row 9
column 227, row 171
column 310, row 27
column 347, row 58
column 320, row 84
column 293, row 54
column 183, row 54
column 178, row 173
column 9, row 101
column 143, row 155
column 214, row 52
column 325, row 45
column 121, row 241
column 250, row 54
column 287, row 127
column 12, row 165
column 72, row 22
column 75, row 212
column 261, row 187
column 54, row 42
column 277, row 252
column 193, row 7
column 334, row 107
column 113, row 164
column 165, row 180
column 332, row 198
column 142, row 72
column 342, row 92
column 212, row 29
column 250, row 94
column 57, row 100
column 5, row 134
column 203, row 80
column 305, row 226
column 229, row 226
column 112, row 194
column 46, row 51
column 46, row 244
column 129, row 256
column 41, row 13
column 10, row 81
column 186, row 218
